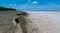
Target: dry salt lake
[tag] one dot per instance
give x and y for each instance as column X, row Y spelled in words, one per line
column 45, row 21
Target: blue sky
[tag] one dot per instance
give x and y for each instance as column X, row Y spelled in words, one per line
column 32, row 4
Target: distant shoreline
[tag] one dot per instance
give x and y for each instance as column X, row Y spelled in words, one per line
column 41, row 11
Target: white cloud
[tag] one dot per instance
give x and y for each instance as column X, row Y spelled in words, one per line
column 35, row 2
column 15, row 4
column 12, row 4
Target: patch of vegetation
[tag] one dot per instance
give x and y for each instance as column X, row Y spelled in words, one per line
column 6, row 9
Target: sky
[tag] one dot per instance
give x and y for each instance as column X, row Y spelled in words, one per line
column 31, row 4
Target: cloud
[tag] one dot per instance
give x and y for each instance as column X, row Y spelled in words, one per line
column 12, row 4
column 48, row 6
column 35, row 2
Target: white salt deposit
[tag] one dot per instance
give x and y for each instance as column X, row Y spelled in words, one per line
column 46, row 22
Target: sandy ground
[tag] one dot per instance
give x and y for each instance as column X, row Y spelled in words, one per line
column 46, row 22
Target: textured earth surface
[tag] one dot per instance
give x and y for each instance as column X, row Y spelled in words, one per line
column 42, row 22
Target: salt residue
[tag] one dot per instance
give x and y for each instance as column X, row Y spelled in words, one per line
column 45, row 22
